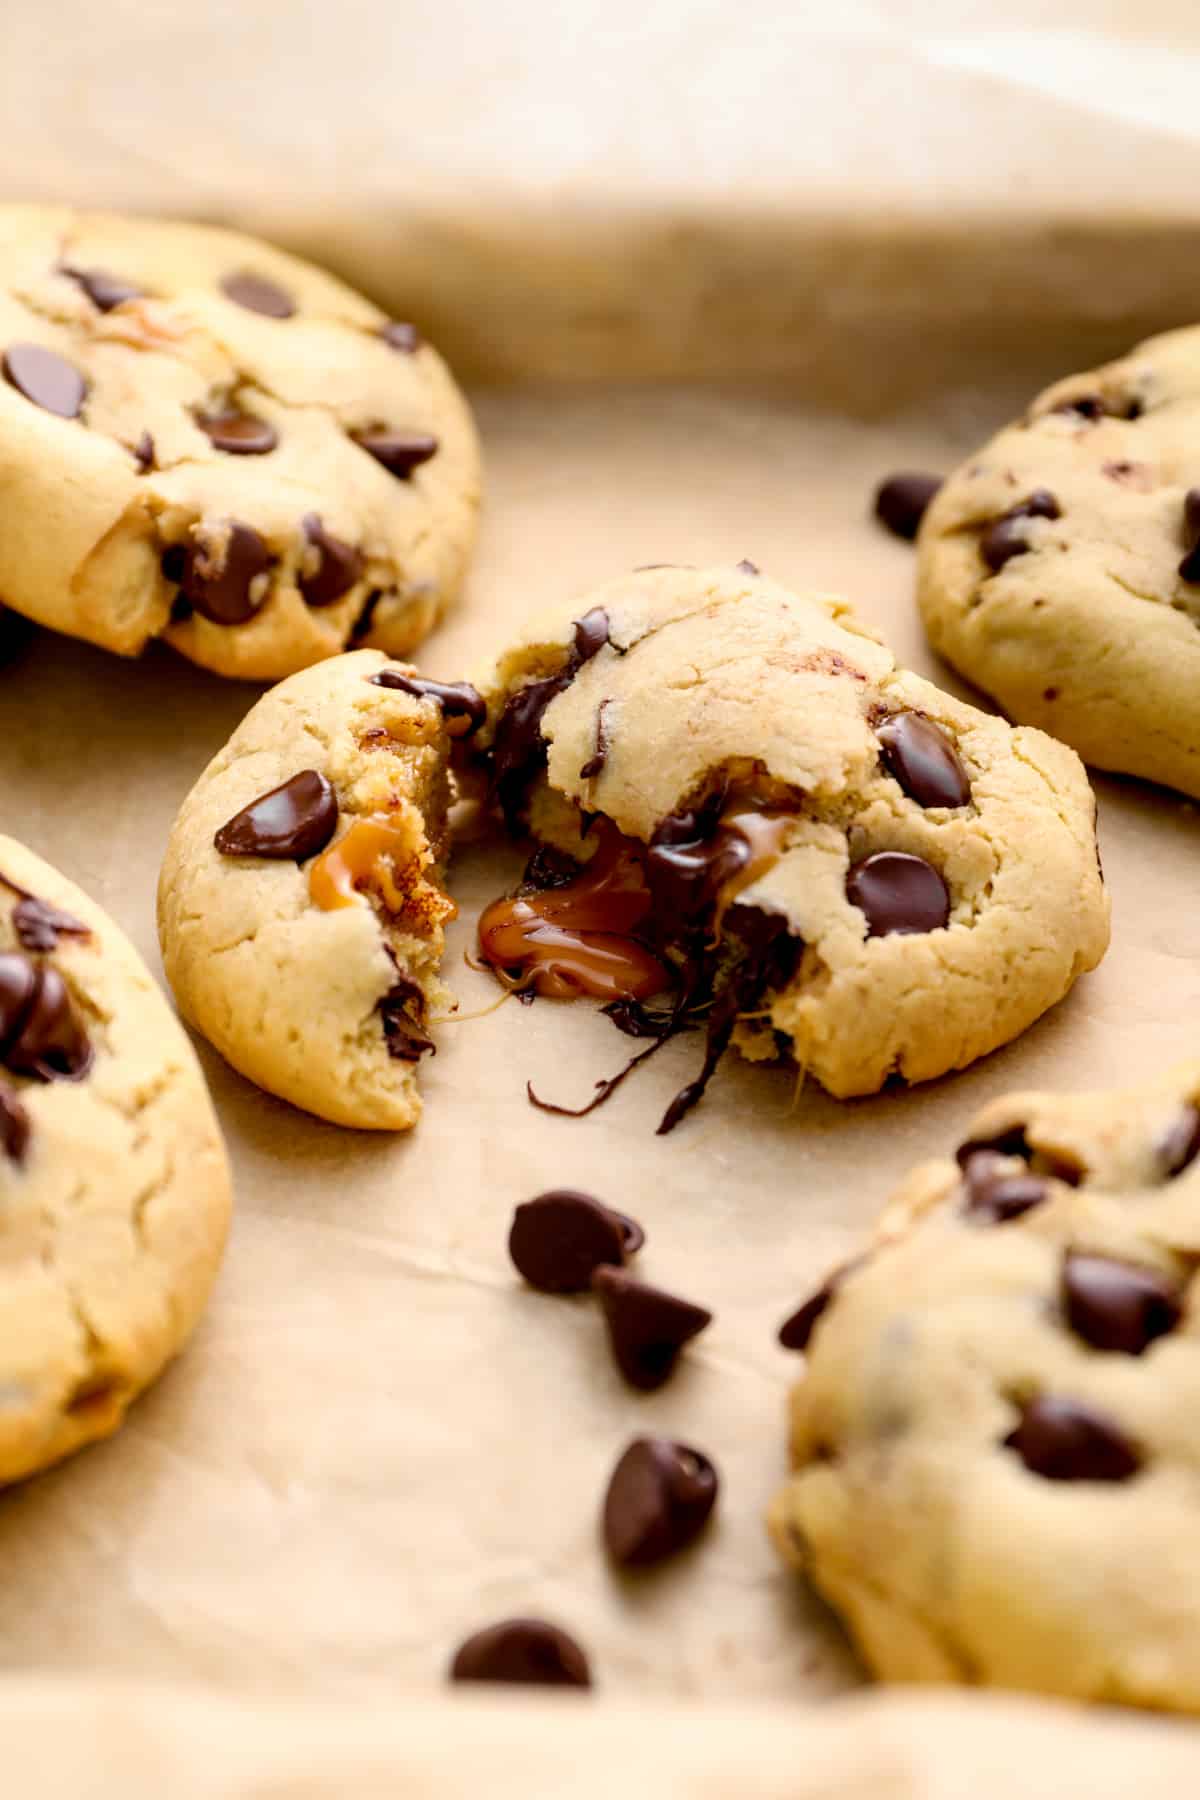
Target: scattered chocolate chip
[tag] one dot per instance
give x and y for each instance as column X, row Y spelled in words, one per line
column 518, row 750
column 339, row 565
column 746, row 567
column 399, row 335
column 400, row 452
column 647, row 1327
column 660, row 1497
column 238, row 433
column 1065, row 1440
column 1180, row 1142
column 14, row 1124
column 288, row 824
column 457, row 699
column 524, row 1650
column 996, row 1195
column 219, row 585
column 1006, row 536
column 595, row 764
column 143, row 452
column 1189, row 568
column 39, row 925
column 257, row 294
column 901, row 502
column 898, row 893
column 46, row 378
column 795, row 1332
column 924, row 760
column 402, row 1011
column 104, row 290
column 560, row 1239
column 39, row 1032
column 1117, row 1305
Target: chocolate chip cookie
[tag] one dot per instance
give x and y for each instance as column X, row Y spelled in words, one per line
column 751, row 818
column 994, row 1440
column 301, row 910
column 209, row 441
column 114, row 1190
column 1057, row 567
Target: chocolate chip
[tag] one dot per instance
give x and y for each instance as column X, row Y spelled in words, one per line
column 402, row 1011
column 1088, row 406
column 1189, row 568
column 259, row 295
column 14, row 1124
column 660, row 1497
column 1180, row 1142
column 46, row 378
column 746, row 567
column 339, row 565
column 288, row 824
column 457, row 699
column 647, row 1327
column 238, row 433
column 39, row 925
column 795, row 1332
column 524, row 1650
column 1117, row 1305
column 399, row 335
column 995, row 1195
column 1006, row 536
column 220, row 584
column 400, row 452
column 143, row 452
column 104, row 290
column 595, row 764
column 558, row 1240
column 924, row 760
column 18, row 979
column 898, row 893
column 39, row 1032
column 1065, row 1440
column 901, row 502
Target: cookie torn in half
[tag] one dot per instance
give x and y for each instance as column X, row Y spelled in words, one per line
column 114, row 1188
column 301, row 906
column 751, row 821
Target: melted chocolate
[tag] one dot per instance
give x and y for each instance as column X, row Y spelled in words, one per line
column 40, row 1034
column 463, row 706
column 518, row 752
column 402, row 1011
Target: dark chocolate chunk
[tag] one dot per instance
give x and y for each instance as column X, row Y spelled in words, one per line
column 1189, row 568
column 647, row 1327
column 1117, row 1305
column 795, row 1332
column 46, row 378
column 660, row 1497
column 18, row 979
column 1006, row 536
column 402, row 1010
column 39, row 925
column 924, row 760
column 41, row 1037
column 104, row 290
column 457, row 699
column 257, row 294
column 143, row 452
column 901, row 501
column 595, row 764
column 14, row 1124
column 238, row 433
column 524, row 1650
column 399, row 335
column 288, row 824
column 690, row 859
column 1180, row 1142
column 400, row 452
column 898, row 893
column 561, row 1238
column 339, row 565
column 995, row 1194
column 219, row 586
column 518, row 750
column 1066, row 1440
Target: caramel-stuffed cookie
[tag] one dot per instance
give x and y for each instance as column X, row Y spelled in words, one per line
column 1058, row 570
column 300, row 907
column 812, row 849
column 995, row 1441
column 114, row 1189
column 206, row 440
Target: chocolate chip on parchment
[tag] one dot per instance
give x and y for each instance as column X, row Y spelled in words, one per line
column 995, row 1194
column 339, row 565
column 1180, row 1143
column 898, row 893
column 399, row 335
column 1116, row 1305
column 400, row 452
column 1066, row 1440
column 924, row 760
column 522, row 1650
column 647, row 1327
column 795, row 1332
column 104, row 290
column 558, row 1240
column 40, row 1034
column 219, row 584
column 288, row 824
column 461, row 703
column 901, row 501
column 660, row 1497
column 14, row 1124
column 39, row 925
column 238, row 433
column 45, row 378
column 257, row 294
column 1006, row 536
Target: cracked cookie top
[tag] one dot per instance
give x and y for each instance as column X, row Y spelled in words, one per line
column 114, row 1190
column 213, row 442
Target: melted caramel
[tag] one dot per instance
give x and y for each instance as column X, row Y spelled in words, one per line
column 377, row 852
column 765, row 833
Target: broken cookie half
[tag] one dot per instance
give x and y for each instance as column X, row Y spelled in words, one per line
column 752, row 822
column 301, row 906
